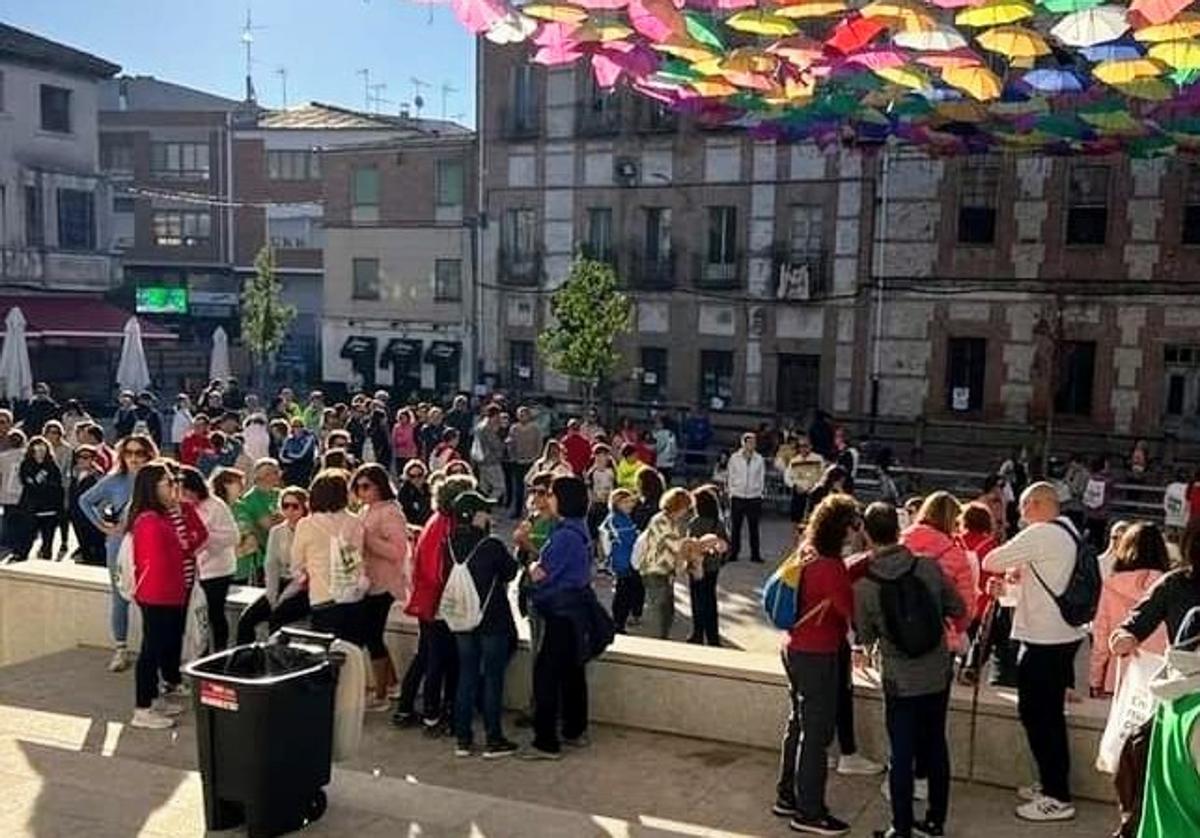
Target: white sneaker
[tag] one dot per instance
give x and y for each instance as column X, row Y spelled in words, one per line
column 920, row 790
column 1029, row 793
column 1046, row 809
column 857, row 764
column 148, row 719
column 164, row 707
column 120, row 660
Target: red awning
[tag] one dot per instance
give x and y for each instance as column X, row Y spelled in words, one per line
column 74, row 316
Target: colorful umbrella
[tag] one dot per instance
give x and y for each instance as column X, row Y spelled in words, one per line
column 1158, row 11
column 1013, row 42
column 1154, row 90
column 703, row 30
column 950, row 59
column 810, row 8
column 879, row 59
column 605, row 5
column 1053, row 81
column 1120, row 72
column 905, row 77
column 977, row 82
column 800, row 50
column 1183, row 27
column 1092, row 26
column 758, row 22
column 995, row 13
column 479, row 15
column 1182, row 55
column 1064, row 7
column 1113, row 51
column 854, row 33
column 512, row 29
column 556, row 12
column 941, row 38
column 907, row 15
column 685, row 49
column 657, row 20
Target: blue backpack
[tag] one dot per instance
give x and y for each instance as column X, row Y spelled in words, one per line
column 780, row 592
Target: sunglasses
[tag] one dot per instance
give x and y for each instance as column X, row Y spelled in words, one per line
column 137, row 452
column 290, row 505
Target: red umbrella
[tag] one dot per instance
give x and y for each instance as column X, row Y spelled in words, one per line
column 854, row 33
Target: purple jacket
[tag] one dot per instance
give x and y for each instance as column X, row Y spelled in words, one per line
column 566, row 558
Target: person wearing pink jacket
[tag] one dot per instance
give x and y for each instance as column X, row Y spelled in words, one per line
column 933, row 536
column 1141, row 557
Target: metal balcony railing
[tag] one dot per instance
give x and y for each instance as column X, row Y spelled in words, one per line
column 651, row 271
column 520, row 268
column 723, row 271
column 598, row 117
column 800, row 274
column 520, row 123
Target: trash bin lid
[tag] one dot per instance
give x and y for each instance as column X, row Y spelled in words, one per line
column 259, row 663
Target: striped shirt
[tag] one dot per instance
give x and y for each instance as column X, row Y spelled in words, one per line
column 189, row 549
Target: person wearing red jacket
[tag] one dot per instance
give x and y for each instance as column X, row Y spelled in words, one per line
column 577, row 448
column 195, row 442
column 166, row 535
column 437, row 654
column 824, row 609
column 933, row 536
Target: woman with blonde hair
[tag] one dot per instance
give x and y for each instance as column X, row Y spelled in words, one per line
column 933, row 535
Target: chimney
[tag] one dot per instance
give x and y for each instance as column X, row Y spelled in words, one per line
column 122, row 94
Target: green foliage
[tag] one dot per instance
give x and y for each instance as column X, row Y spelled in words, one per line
column 265, row 317
column 590, row 313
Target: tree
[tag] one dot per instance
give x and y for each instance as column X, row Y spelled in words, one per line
column 590, row 313
column 265, row 317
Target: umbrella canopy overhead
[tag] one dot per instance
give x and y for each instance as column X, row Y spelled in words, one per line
column 16, row 376
column 1013, row 73
column 133, row 374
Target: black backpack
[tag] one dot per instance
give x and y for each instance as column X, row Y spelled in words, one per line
column 911, row 614
column 1077, row 603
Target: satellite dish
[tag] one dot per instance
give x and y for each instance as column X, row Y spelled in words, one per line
column 418, row 102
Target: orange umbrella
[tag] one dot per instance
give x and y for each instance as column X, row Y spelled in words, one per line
column 1158, row 11
column 1181, row 28
column 800, row 50
column 977, row 82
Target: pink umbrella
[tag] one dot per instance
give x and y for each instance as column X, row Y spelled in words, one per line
column 879, row 59
column 956, row 4
column 602, row 4
column 657, row 20
column 607, row 71
column 1158, row 11
column 479, row 15
column 556, row 44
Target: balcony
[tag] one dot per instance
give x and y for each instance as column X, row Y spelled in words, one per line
column 651, row 271
column 651, row 117
column 65, row 269
column 520, row 123
column 724, row 274
column 800, row 274
column 522, row 269
column 600, row 117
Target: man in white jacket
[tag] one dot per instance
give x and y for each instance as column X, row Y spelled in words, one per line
column 1042, row 556
column 746, row 481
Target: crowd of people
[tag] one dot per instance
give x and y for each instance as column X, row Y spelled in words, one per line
column 340, row 512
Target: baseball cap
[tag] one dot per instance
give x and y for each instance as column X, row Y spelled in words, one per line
column 468, row 503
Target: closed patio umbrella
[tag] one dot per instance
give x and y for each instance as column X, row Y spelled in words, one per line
column 15, row 373
column 132, row 372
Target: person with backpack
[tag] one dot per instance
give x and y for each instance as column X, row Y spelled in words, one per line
column 933, row 536
column 1057, row 585
column 824, row 608
column 618, row 533
column 901, row 606
column 481, row 596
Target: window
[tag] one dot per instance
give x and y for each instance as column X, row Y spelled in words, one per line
column 722, row 235
column 599, row 234
column 521, row 115
column 116, row 154
column 56, row 109
column 797, row 384
column 449, row 183
column 293, row 165
column 716, row 378
column 977, row 191
column 35, row 217
column 1087, row 204
column 1076, row 372
column 520, row 363
column 658, row 234
column 366, row 279
column 447, row 280
column 1182, row 367
column 653, row 381
column 295, row 233
column 1191, row 206
column 124, row 205
column 76, row 220
column 365, row 187
column 966, row 363
column 181, row 228
column 804, row 259
column 179, row 160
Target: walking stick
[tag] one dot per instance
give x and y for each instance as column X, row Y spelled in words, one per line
column 984, row 637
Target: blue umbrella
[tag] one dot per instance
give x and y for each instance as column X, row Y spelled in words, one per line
column 1113, row 51
column 1053, row 81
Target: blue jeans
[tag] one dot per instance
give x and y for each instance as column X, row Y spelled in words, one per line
column 482, row 659
column 118, row 609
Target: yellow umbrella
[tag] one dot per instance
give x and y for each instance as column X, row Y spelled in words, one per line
column 709, row 66
column 714, row 88
column 905, row 77
column 558, row 12
column 689, row 51
column 1120, row 72
column 1036, row 105
column 591, row 32
column 1013, row 42
column 758, row 22
column 811, row 8
column 995, row 13
column 750, row 60
column 1187, row 25
column 1182, row 55
column 1155, row 90
column 1115, row 122
column 977, row 82
column 910, row 16
column 962, row 111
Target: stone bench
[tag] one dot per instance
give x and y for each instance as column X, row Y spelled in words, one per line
column 725, row 695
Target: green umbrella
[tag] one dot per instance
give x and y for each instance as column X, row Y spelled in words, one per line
column 1063, row 7
column 1183, row 77
column 675, row 70
column 1154, row 146
column 1060, row 126
column 703, row 29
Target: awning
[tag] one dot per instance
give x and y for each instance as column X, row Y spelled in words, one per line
column 401, row 351
column 356, row 346
column 75, row 316
column 443, row 352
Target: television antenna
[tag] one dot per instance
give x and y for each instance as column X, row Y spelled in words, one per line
column 283, row 74
column 418, row 99
column 366, row 77
column 446, row 89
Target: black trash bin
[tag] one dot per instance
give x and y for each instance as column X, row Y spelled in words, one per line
column 264, row 731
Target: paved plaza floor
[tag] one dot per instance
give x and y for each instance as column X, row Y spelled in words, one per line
column 69, row 765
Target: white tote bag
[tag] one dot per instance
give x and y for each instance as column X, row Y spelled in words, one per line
column 1131, row 706
column 196, row 625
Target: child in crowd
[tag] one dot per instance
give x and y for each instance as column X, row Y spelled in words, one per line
column 618, row 534
column 601, row 479
column 628, row 467
column 12, row 533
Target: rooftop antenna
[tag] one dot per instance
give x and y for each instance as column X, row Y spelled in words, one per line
column 366, row 77
column 377, row 97
column 418, row 100
column 446, row 91
column 283, row 74
column 248, row 43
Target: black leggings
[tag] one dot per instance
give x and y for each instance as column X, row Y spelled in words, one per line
column 215, row 591
column 376, row 608
column 42, row 526
column 343, row 620
column 162, row 644
column 845, row 703
column 290, row 610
